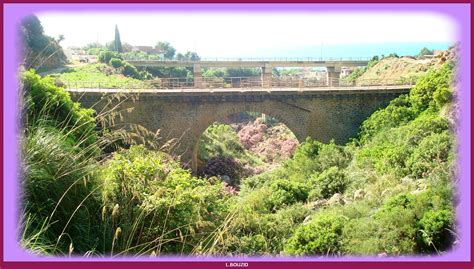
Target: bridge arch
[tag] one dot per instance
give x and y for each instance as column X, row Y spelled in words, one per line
column 185, row 115
column 281, row 115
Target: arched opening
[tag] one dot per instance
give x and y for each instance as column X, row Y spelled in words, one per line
column 243, row 144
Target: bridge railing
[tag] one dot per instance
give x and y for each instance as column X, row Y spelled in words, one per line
column 260, row 59
column 237, row 82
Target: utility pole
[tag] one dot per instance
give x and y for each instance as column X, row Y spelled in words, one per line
column 321, row 55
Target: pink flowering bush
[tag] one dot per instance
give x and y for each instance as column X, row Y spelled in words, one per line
column 252, row 134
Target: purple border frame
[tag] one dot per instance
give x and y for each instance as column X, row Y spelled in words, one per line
column 459, row 13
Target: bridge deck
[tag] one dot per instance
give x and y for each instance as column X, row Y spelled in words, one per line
column 194, row 91
column 249, row 63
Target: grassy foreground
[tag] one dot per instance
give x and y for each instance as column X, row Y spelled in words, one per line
column 390, row 191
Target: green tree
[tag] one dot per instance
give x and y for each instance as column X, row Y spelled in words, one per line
column 192, row 56
column 40, row 51
column 117, row 42
column 167, row 49
column 424, row 51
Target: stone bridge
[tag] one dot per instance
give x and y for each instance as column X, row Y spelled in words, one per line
column 319, row 113
column 333, row 66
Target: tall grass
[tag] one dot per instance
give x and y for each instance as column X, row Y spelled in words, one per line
column 79, row 198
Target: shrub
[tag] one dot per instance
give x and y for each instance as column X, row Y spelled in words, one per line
column 424, row 51
column 442, row 96
column 390, row 151
column 144, row 75
column 224, row 166
column 285, row 192
column 116, row 63
column 313, row 157
column 397, row 113
column 329, row 182
column 213, row 73
column 433, row 151
column 435, row 230
column 252, row 244
column 158, row 205
column 130, row 71
column 399, row 221
column 52, row 105
column 322, row 236
column 106, row 56
column 437, row 80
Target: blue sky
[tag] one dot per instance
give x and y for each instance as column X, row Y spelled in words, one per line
column 240, row 34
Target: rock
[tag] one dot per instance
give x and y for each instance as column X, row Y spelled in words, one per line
column 226, row 179
column 317, row 204
column 385, row 192
column 336, row 199
column 359, row 194
column 407, row 180
column 417, row 191
column 382, row 255
column 306, row 220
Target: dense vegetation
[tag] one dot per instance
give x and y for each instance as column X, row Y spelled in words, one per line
column 40, row 51
column 91, row 190
column 389, row 192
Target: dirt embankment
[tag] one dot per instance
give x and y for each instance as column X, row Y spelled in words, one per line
column 406, row 68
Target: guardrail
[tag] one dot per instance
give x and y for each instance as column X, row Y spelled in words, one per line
column 270, row 59
column 237, row 82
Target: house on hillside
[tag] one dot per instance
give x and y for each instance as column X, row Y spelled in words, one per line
column 346, row 71
column 149, row 50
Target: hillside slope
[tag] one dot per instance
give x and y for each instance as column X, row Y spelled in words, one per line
column 405, row 68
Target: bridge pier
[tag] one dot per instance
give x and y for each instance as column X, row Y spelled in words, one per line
column 333, row 76
column 197, row 76
column 267, row 76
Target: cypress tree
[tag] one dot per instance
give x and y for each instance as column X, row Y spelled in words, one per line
column 117, row 42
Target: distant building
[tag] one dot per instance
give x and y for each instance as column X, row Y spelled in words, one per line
column 345, row 71
column 79, row 55
column 148, row 49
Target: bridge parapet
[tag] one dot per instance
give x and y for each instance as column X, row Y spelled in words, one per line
column 251, row 59
column 251, row 83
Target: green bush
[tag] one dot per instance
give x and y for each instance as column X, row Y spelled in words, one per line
column 435, row 230
column 397, row 113
column 144, row 75
column 45, row 103
column 252, row 221
column 442, row 96
column 329, row 182
column 322, row 236
column 433, row 151
column 390, row 151
column 312, row 156
column 130, row 71
column 285, row 192
column 252, row 244
column 157, row 204
column 401, row 218
column 218, row 73
column 431, row 91
column 437, row 80
column 106, row 56
column 116, row 63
